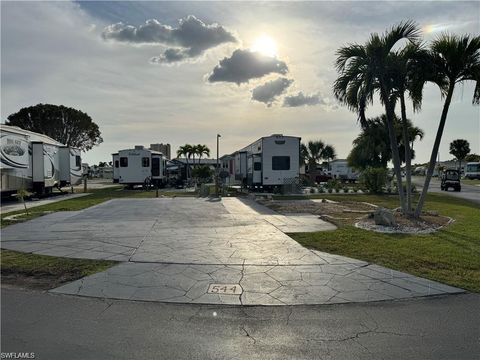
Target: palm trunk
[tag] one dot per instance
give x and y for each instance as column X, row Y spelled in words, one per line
column 389, row 107
column 408, row 155
column 436, row 145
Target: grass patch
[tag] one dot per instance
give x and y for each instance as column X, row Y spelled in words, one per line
column 451, row 255
column 46, row 272
column 470, row 182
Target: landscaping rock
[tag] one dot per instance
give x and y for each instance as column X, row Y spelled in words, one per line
column 384, row 217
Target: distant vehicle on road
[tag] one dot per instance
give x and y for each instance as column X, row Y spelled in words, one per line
column 450, row 179
column 472, row 170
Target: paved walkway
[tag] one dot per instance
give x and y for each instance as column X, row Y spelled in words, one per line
column 188, row 250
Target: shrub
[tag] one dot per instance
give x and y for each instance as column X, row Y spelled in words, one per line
column 355, row 189
column 330, row 190
column 321, row 190
column 332, row 184
column 346, row 190
column 312, row 190
column 374, row 179
column 203, row 173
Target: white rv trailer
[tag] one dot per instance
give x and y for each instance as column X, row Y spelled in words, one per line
column 139, row 165
column 472, row 170
column 340, row 170
column 35, row 162
column 269, row 162
column 116, row 167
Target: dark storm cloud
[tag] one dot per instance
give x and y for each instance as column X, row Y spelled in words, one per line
column 190, row 39
column 268, row 92
column 245, row 65
column 301, row 99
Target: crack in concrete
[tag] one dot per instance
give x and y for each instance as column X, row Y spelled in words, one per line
column 247, row 334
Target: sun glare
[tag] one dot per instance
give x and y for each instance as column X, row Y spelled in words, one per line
column 265, row 45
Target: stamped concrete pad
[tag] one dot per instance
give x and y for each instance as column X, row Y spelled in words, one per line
column 254, row 285
column 174, row 250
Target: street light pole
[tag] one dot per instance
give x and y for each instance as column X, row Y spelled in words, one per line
column 217, row 168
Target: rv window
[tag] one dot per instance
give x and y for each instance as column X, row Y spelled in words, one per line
column 78, row 161
column 280, row 162
column 116, row 163
column 257, row 166
column 145, row 162
column 123, row 162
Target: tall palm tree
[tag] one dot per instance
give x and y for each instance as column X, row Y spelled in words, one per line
column 328, row 154
column 185, row 151
column 455, row 59
column 365, row 70
column 202, row 150
column 193, row 151
column 404, row 66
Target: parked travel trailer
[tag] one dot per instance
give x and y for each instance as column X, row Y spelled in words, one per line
column 116, row 168
column 472, row 170
column 340, row 170
column 268, row 162
column 139, row 166
column 36, row 162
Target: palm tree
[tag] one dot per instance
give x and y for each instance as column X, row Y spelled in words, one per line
column 372, row 147
column 367, row 69
column 328, row 154
column 405, row 65
column 202, row 150
column 193, row 151
column 313, row 155
column 185, row 151
column 303, row 154
column 455, row 59
column 459, row 148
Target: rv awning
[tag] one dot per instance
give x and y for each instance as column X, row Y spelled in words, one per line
column 5, row 166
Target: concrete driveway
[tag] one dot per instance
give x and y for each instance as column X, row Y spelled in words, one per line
column 189, row 250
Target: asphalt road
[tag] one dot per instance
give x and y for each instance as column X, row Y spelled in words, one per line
column 65, row 327
column 469, row 192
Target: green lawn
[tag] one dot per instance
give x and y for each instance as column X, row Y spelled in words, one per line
column 470, row 182
column 96, row 196
column 46, row 271
column 451, row 256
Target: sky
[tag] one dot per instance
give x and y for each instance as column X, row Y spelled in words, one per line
column 181, row 72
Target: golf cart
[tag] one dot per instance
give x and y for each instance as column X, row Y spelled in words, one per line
column 450, row 179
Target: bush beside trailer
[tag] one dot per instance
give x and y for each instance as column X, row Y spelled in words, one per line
column 35, row 162
column 271, row 161
column 139, row 166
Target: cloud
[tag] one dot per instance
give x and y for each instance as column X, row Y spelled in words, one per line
column 268, row 92
column 190, row 39
column 301, row 99
column 245, row 65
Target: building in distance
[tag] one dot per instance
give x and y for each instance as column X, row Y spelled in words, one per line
column 163, row 148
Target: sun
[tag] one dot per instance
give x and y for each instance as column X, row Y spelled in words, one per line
column 265, row 45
